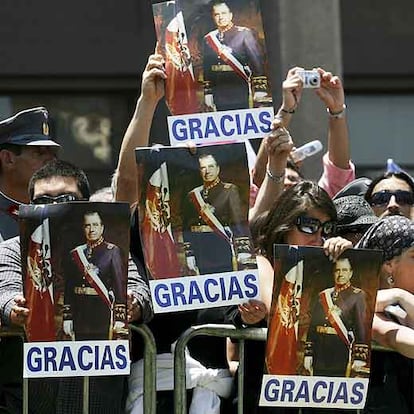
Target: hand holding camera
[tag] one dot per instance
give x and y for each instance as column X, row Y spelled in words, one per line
column 292, row 90
column 331, row 92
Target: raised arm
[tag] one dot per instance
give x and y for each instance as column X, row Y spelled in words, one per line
column 277, row 146
column 332, row 95
column 137, row 133
column 338, row 168
column 292, row 93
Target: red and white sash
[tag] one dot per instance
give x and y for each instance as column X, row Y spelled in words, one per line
column 333, row 316
column 225, row 54
column 207, row 215
column 90, row 273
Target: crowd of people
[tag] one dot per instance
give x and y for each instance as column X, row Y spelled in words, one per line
column 337, row 213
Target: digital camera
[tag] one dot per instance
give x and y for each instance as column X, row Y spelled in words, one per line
column 310, row 78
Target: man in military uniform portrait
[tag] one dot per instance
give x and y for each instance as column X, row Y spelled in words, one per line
column 233, row 60
column 338, row 336
column 214, row 226
column 95, row 286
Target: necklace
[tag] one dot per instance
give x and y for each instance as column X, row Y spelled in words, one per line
column 221, row 32
column 91, row 246
column 208, row 187
column 338, row 289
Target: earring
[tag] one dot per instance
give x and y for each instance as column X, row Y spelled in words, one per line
column 390, row 280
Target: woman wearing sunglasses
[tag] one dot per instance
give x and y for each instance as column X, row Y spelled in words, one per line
column 303, row 215
column 391, row 194
column 391, row 388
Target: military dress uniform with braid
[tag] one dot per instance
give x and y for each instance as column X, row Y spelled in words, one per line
column 64, row 395
column 92, row 316
column 331, row 355
column 213, row 253
column 229, row 89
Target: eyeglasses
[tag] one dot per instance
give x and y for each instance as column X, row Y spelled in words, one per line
column 382, row 198
column 63, row 198
column 310, row 225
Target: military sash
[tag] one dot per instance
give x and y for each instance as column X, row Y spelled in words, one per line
column 207, row 215
column 333, row 313
column 91, row 275
column 226, row 55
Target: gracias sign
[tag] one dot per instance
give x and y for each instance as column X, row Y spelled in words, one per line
column 216, row 127
column 76, row 359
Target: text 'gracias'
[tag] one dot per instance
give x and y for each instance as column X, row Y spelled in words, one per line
column 76, row 359
column 200, row 292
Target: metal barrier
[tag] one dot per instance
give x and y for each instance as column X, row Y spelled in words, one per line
column 257, row 334
column 223, row 331
column 150, row 368
column 150, row 353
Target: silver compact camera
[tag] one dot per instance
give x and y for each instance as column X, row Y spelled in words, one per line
column 310, row 78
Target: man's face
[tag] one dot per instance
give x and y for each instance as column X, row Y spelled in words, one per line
column 93, row 227
column 31, row 159
column 342, row 271
column 390, row 202
column 56, row 186
column 222, row 15
column 209, row 169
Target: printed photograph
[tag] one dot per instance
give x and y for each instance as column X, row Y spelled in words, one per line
column 215, row 55
column 193, row 210
column 321, row 314
column 75, row 260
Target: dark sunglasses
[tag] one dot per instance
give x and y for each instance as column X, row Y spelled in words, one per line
column 402, row 197
column 63, row 198
column 310, row 225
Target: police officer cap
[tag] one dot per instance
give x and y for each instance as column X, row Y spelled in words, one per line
column 28, row 127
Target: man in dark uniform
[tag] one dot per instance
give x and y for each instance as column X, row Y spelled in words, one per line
column 214, row 228
column 337, row 342
column 233, row 64
column 95, row 300
column 25, row 146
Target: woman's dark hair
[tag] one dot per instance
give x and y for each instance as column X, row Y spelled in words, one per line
column 293, row 166
column 271, row 227
column 60, row 168
column 401, row 175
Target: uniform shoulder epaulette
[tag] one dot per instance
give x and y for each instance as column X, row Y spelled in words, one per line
column 227, row 185
column 242, row 29
column 356, row 290
column 110, row 246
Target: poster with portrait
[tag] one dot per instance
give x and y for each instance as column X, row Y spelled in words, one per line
column 74, row 266
column 319, row 333
column 216, row 63
column 193, row 207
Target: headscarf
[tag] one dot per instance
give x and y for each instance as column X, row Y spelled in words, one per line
column 392, row 235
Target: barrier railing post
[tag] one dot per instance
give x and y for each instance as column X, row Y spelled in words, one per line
column 150, row 380
column 85, row 402
column 240, row 378
column 223, row 331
